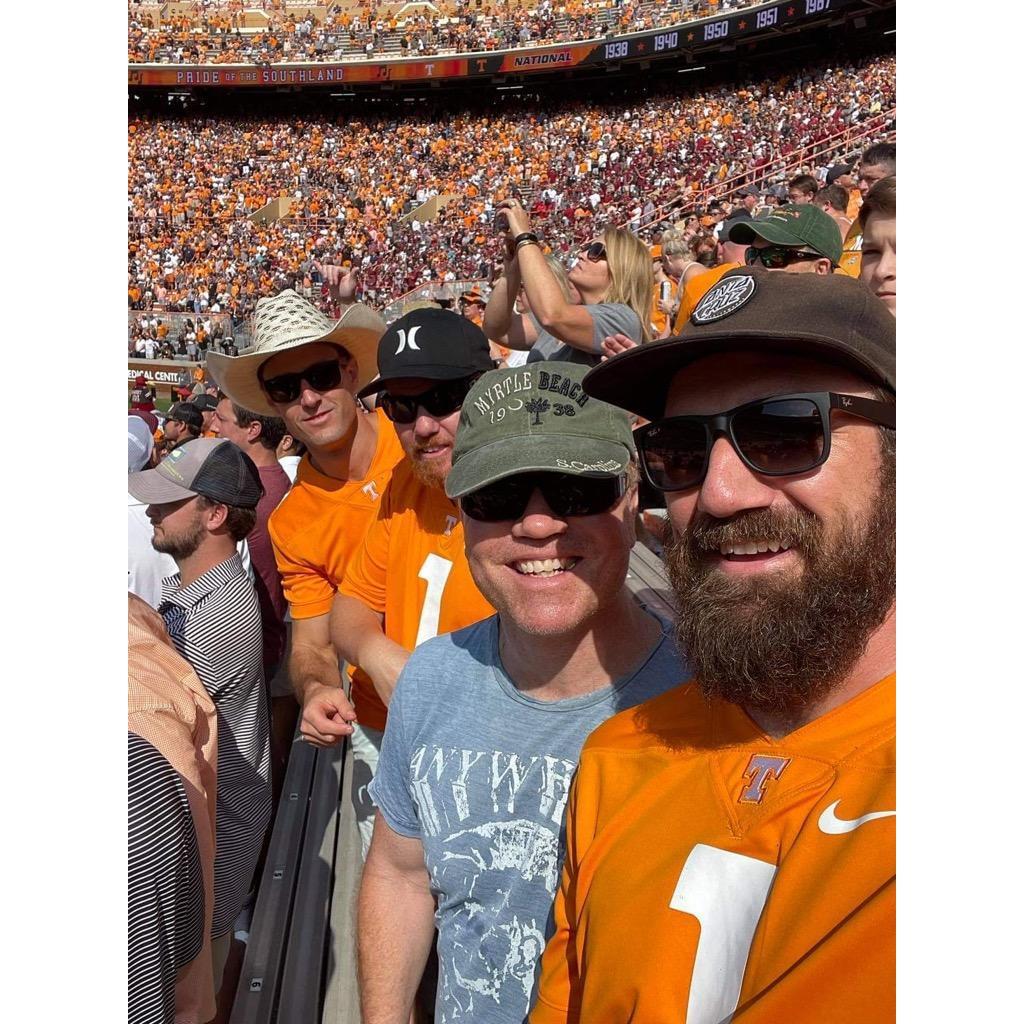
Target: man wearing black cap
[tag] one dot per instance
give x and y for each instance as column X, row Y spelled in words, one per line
column 184, row 422
column 842, row 175
column 750, row 814
column 207, row 406
column 202, row 501
column 409, row 581
column 486, row 725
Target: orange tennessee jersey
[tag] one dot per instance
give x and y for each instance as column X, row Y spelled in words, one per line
column 412, row 567
column 319, row 525
column 713, row 873
column 849, row 262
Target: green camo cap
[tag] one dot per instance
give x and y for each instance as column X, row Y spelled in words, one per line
column 802, row 224
column 536, row 418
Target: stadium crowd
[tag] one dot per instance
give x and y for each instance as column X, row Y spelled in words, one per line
column 226, row 33
column 193, row 182
column 286, row 512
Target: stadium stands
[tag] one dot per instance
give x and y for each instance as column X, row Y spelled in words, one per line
column 194, row 182
column 223, row 33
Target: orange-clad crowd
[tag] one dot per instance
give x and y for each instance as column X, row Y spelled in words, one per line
column 232, row 32
column 194, row 181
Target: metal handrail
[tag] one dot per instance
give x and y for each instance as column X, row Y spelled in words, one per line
column 695, row 200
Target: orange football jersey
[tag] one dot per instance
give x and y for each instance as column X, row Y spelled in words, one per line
column 412, row 567
column 849, row 262
column 713, row 873
column 317, row 528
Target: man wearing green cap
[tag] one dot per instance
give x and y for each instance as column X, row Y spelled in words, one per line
column 799, row 238
column 485, row 725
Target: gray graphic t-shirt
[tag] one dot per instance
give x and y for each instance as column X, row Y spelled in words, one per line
column 480, row 773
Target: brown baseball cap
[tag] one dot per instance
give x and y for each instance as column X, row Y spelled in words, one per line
column 831, row 317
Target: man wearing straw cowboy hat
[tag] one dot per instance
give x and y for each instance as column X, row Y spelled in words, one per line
column 306, row 369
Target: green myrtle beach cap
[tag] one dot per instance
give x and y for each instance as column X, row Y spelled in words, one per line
column 536, row 418
column 796, row 224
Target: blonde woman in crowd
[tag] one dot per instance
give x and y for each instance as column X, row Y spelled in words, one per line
column 612, row 276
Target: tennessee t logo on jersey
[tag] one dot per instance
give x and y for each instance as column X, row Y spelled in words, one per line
column 370, row 490
column 760, row 769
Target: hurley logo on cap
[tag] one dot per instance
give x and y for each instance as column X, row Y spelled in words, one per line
column 724, row 298
column 410, row 341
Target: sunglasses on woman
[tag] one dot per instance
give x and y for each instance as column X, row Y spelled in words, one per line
column 286, row 387
column 595, row 251
column 565, row 494
column 441, row 400
column 779, row 436
column 775, row 257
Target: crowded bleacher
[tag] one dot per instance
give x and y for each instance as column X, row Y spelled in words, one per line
column 272, row 32
column 194, row 183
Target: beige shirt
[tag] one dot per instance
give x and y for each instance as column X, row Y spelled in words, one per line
column 169, row 707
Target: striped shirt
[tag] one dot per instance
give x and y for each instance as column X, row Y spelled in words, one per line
column 214, row 623
column 165, row 884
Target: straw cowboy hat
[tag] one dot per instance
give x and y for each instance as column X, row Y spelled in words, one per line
column 286, row 321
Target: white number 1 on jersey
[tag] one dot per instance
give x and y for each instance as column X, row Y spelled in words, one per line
column 726, row 892
column 435, row 571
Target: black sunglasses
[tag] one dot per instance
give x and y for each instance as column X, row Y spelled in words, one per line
column 778, row 436
column 286, row 387
column 566, row 495
column 595, row 251
column 441, row 400
column 774, row 257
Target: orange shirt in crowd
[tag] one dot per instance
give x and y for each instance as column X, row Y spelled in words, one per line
column 412, row 567
column 855, row 203
column 713, row 873
column 849, row 262
column 696, row 289
column 659, row 318
column 318, row 527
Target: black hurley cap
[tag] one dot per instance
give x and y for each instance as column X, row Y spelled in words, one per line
column 210, row 466
column 830, row 317
column 436, row 344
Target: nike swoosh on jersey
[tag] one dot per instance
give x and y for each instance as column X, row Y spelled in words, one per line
column 832, row 825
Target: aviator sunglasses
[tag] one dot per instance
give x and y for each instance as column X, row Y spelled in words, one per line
column 595, row 251
column 779, row 436
column 286, row 387
column 566, row 495
column 441, row 400
column 775, row 257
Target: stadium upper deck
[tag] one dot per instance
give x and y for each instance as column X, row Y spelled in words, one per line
column 275, row 31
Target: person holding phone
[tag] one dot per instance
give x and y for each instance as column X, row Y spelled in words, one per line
column 612, row 276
